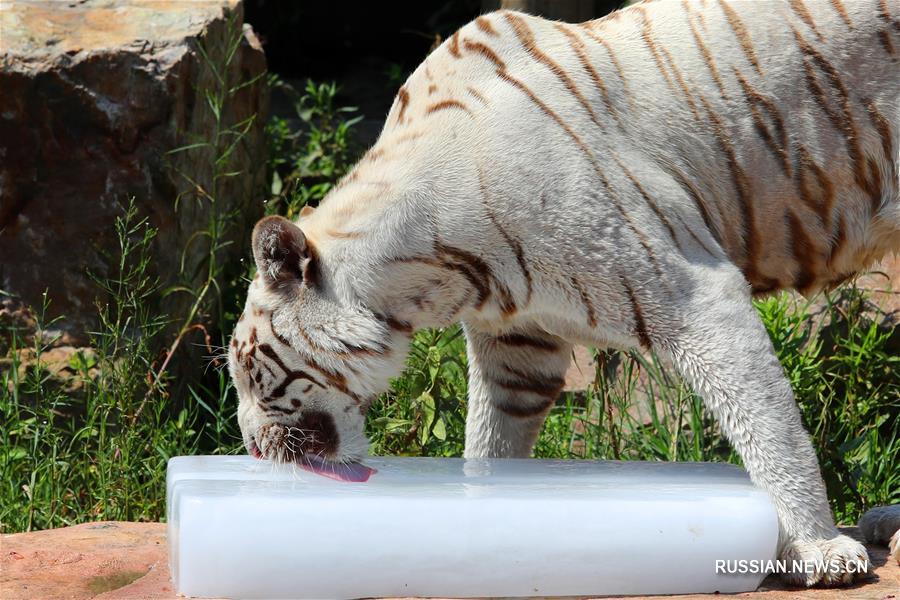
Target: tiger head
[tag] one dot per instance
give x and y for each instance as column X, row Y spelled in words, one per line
column 306, row 363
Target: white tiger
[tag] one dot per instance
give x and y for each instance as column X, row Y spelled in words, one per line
column 622, row 182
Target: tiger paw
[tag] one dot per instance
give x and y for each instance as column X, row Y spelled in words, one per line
column 832, row 562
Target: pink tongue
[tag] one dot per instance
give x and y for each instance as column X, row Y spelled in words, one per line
column 356, row 472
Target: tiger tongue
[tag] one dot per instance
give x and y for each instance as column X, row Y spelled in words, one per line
column 354, row 472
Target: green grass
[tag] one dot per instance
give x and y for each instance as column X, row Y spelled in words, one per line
column 94, row 445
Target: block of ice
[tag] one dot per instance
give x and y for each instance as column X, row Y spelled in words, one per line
column 245, row 528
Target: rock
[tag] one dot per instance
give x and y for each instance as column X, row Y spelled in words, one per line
column 95, row 94
column 119, row 561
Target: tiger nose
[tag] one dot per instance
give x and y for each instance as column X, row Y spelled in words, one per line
column 315, row 433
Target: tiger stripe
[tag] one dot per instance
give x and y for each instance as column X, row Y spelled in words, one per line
column 694, row 194
column 578, row 47
column 504, row 74
column 820, row 200
column 745, row 199
column 585, row 300
column 804, row 251
column 484, row 24
column 539, row 385
column 842, row 11
column 403, row 97
column 640, row 325
column 526, row 38
column 843, row 121
column 800, row 9
column 685, row 89
column 475, row 268
column 884, row 35
column 290, row 375
column 840, row 239
column 882, row 126
column 453, row 48
column 776, row 142
column 648, row 200
column 477, row 95
column 512, row 242
column 613, row 57
column 521, row 340
column 448, row 104
column 705, row 52
column 647, row 37
column 740, row 32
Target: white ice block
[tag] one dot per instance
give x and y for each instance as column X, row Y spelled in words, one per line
column 245, row 528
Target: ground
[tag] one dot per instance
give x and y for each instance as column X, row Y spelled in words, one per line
column 119, row 561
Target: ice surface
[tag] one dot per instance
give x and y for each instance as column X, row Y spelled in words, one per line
column 244, row 528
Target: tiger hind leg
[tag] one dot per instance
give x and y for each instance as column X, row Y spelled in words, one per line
column 721, row 347
column 514, row 379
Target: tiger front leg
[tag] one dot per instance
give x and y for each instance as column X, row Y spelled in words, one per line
column 722, row 348
column 514, row 379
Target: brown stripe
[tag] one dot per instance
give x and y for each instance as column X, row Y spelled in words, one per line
column 821, row 199
column 804, row 251
column 697, row 197
column 798, row 7
column 866, row 178
column 445, row 104
column 453, row 46
column 278, row 337
column 484, row 51
column 536, row 383
column 578, row 47
column 687, row 228
column 520, row 339
column 512, row 242
column 640, row 327
column 518, row 410
column 704, row 50
column 337, row 380
column 586, row 300
column 741, row 33
column 396, row 324
column 745, row 198
column 681, row 83
column 477, row 268
column 526, row 38
column 477, row 95
column 647, row 37
column 290, row 375
column 842, row 10
column 503, row 74
column 840, row 238
column 403, row 96
column 484, row 25
column 885, row 34
column 881, row 125
column 650, row 202
column 777, row 142
column 613, row 57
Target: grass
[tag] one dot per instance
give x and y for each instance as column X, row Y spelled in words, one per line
column 93, row 445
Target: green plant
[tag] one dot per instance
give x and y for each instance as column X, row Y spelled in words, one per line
column 306, row 162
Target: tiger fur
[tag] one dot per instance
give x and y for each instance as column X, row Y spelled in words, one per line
column 627, row 182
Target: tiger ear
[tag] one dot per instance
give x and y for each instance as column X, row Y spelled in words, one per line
column 282, row 253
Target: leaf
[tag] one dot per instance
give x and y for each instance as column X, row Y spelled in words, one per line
column 440, row 429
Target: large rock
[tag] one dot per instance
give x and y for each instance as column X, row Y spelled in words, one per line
column 93, row 96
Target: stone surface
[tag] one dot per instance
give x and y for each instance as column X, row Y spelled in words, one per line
column 95, row 94
column 128, row 561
